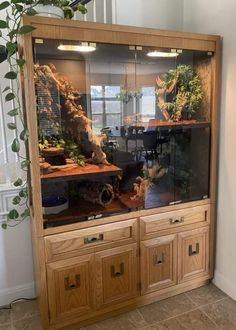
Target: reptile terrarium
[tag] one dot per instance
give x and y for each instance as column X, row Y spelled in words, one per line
column 121, row 128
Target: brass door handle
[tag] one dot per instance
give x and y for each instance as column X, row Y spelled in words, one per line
column 174, row 221
column 72, row 285
column 118, row 273
column 93, row 239
column 195, row 252
column 157, row 260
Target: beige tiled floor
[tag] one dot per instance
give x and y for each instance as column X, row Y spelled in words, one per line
column 206, row 308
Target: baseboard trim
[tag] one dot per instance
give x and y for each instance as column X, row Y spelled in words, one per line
column 225, row 285
column 16, row 292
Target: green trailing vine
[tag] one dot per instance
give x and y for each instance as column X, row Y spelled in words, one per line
column 10, row 30
column 64, row 5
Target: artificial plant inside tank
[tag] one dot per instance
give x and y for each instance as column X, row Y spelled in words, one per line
column 10, row 31
column 179, row 93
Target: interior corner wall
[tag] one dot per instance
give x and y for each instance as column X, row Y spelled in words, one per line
column 161, row 14
column 217, row 17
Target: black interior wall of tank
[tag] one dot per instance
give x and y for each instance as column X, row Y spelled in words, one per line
column 192, row 163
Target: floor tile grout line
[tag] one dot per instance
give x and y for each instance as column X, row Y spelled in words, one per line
column 185, row 293
column 213, row 302
column 137, row 309
column 189, row 311
column 208, row 317
column 172, row 317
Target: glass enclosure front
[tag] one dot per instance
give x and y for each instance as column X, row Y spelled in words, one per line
column 121, row 128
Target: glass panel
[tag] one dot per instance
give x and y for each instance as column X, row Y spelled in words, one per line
column 120, row 129
column 192, row 132
column 148, row 103
column 156, row 139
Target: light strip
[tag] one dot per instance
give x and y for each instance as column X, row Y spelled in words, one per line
column 84, row 47
column 161, row 54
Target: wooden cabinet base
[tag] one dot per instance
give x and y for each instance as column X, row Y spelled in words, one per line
column 96, row 316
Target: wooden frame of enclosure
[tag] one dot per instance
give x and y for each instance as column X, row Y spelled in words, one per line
column 114, row 34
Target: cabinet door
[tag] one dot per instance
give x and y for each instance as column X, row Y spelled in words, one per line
column 158, row 263
column 116, row 274
column 193, row 254
column 70, row 287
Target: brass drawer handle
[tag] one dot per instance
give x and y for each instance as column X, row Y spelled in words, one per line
column 158, row 261
column 175, row 221
column 71, row 286
column 118, row 273
column 93, row 239
column 195, row 252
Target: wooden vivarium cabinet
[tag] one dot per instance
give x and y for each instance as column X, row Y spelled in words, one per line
column 123, row 149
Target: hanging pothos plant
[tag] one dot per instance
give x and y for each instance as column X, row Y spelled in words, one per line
column 10, row 30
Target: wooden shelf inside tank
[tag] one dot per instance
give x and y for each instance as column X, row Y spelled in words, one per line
column 89, row 171
column 181, row 123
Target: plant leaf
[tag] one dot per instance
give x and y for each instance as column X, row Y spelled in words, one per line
column 15, row 146
column 19, row 8
column 31, row 12
column 13, row 112
column 26, row 29
column 13, row 214
column 11, row 126
column 17, row 1
column 20, row 62
column 11, row 75
column 4, row 5
column 4, row 225
column 16, row 200
column 23, row 193
column 24, row 135
column 81, row 8
column 11, row 47
column 9, row 97
column 3, row 53
column 25, row 214
column 12, row 33
column 6, row 89
column 24, row 164
column 3, row 24
column 18, row 182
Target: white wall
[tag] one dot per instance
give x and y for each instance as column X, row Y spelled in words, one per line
column 16, row 270
column 16, row 266
column 218, row 17
column 162, row 14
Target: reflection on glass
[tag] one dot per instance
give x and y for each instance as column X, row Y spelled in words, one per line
column 120, row 131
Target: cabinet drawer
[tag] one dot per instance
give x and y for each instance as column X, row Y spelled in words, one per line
column 90, row 240
column 174, row 220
